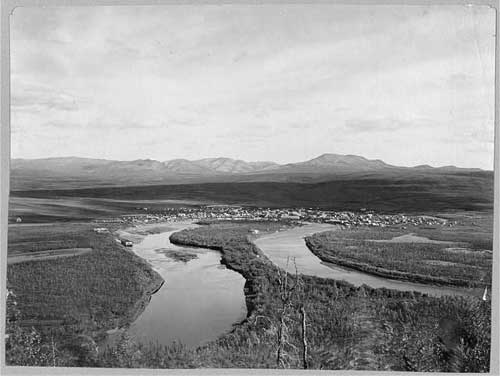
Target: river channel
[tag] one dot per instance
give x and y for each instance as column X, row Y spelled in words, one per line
column 199, row 301
column 202, row 299
column 285, row 246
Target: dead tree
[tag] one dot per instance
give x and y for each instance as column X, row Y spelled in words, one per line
column 290, row 293
column 285, row 298
column 305, row 364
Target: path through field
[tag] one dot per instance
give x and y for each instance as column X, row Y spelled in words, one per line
column 46, row 255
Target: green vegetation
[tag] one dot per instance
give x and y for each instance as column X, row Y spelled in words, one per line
column 72, row 301
column 474, row 228
column 46, row 255
column 451, row 261
column 177, row 255
column 348, row 327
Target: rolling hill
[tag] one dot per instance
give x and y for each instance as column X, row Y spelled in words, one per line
column 73, row 172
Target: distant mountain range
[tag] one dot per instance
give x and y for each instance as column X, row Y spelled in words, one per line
column 74, row 172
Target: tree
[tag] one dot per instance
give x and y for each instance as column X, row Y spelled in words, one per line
column 25, row 346
column 291, row 295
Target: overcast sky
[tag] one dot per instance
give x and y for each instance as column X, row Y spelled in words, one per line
column 409, row 85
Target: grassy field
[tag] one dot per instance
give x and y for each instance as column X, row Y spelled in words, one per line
column 47, row 255
column 69, row 298
column 26, row 238
column 62, row 209
column 347, row 327
column 459, row 255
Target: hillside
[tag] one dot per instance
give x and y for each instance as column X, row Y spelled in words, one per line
column 72, row 172
column 433, row 193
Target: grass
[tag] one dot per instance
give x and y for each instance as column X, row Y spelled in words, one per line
column 46, row 255
column 60, row 209
column 36, row 238
column 349, row 327
column 83, row 295
column 365, row 249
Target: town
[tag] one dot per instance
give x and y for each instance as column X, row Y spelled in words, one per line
column 226, row 212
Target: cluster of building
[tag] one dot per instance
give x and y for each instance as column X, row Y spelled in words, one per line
column 101, row 230
column 345, row 218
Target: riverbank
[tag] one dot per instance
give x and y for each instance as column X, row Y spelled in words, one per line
column 398, row 255
column 239, row 256
column 341, row 320
column 73, row 301
column 201, row 298
column 286, row 245
column 135, row 233
column 349, row 327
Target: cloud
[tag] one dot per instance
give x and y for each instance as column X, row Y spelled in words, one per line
column 381, row 125
column 272, row 81
column 36, row 98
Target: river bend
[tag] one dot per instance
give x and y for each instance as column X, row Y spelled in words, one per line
column 285, row 246
column 199, row 301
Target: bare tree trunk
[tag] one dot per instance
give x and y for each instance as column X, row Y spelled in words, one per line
column 288, row 290
column 280, row 340
column 53, row 352
column 304, row 338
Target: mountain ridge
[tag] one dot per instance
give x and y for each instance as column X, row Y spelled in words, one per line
column 67, row 172
column 322, row 157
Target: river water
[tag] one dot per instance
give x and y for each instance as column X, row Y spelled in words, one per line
column 202, row 299
column 199, row 301
column 285, row 246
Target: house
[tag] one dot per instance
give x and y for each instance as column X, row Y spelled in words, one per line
column 19, row 220
column 126, row 243
column 293, row 217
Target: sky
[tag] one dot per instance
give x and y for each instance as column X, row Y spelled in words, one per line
column 406, row 84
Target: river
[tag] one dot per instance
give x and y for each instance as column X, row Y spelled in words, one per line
column 285, row 246
column 202, row 299
column 199, row 301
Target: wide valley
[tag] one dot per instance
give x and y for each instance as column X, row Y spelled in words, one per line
column 196, row 279
column 334, row 263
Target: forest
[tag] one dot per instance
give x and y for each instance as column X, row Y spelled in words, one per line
column 72, row 301
column 451, row 260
